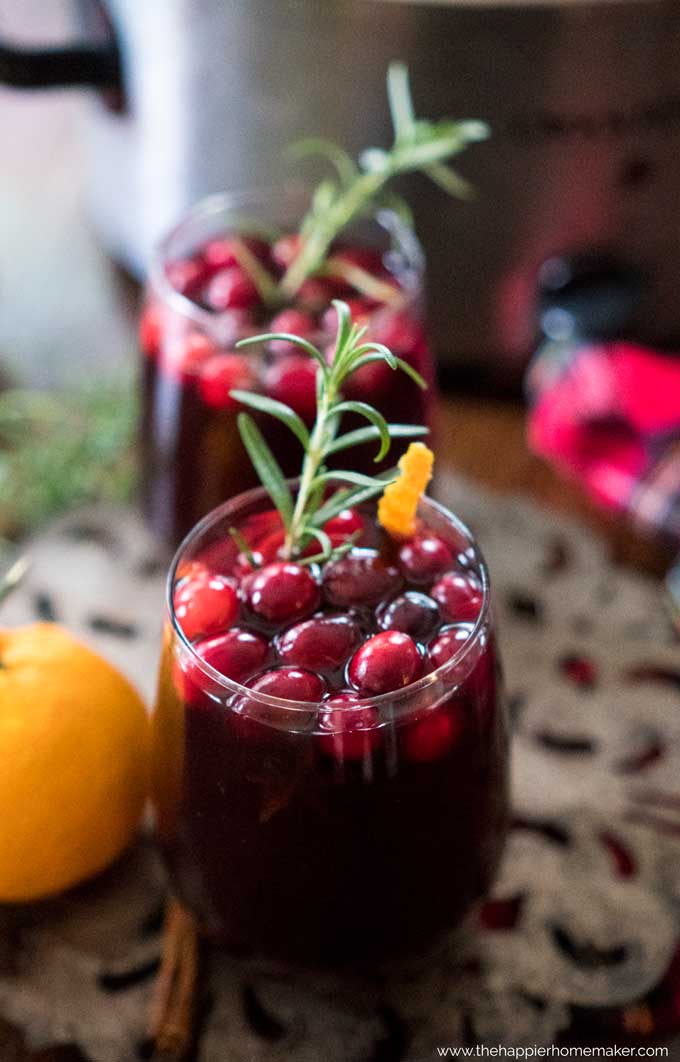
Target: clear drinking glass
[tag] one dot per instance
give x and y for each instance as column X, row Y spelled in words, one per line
column 192, row 457
column 311, row 836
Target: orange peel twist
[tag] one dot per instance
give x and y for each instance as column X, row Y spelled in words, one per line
column 399, row 502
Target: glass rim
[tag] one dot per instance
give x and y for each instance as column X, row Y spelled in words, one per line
column 282, row 703
column 218, row 202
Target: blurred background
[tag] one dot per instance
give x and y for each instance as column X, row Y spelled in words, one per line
column 191, row 98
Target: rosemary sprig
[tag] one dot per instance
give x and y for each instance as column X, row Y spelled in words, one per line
column 360, row 188
column 304, row 517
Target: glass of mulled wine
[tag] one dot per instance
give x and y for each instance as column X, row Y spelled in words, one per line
column 201, row 299
column 330, row 742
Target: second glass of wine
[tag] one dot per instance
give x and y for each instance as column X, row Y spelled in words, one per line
column 209, row 286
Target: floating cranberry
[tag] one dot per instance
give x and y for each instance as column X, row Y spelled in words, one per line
column 205, row 604
column 366, row 258
column 360, row 578
column 348, row 522
column 413, row 613
column 238, row 654
column 292, row 380
column 320, row 644
column 370, row 380
column 231, row 288
column 400, row 332
column 296, row 323
column 286, row 249
column 348, row 732
column 432, row 737
column 222, row 374
column 186, row 276
column 282, row 592
column 424, row 558
column 388, row 661
column 222, row 253
column 316, row 293
column 448, row 642
column 291, row 683
column 360, row 312
column 459, row 596
column 185, row 356
column 151, row 329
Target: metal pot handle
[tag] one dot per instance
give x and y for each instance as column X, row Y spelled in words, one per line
column 74, row 64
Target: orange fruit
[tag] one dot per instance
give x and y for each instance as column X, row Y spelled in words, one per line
column 73, row 762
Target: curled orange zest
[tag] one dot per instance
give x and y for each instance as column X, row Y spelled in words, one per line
column 399, row 502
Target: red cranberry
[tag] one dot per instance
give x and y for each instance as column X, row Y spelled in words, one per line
column 316, row 293
column 425, row 557
column 400, row 332
column 366, row 258
column 360, row 310
column 151, row 329
column 282, row 592
column 220, row 253
column 359, row 578
column 431, row 737
column 186, row 276
column 292, row 380
column 286, row 249
column 348, row 732
column 448, row 642
column 231, row 289
column 459, row 596
column 413, row 613
column 261, row 524
column 222, row 374
column 291, row 683
column 185, row 356
column 296, row 323
column 205, row 604
column 348, row 522
column 388, row 661
column 320, row 644
column 370, row 380
column 237, row 655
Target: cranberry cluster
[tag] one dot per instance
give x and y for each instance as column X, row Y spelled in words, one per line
column 214, row 279
column 370, row 622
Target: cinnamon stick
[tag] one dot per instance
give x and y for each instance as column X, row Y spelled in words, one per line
column 173, row 1009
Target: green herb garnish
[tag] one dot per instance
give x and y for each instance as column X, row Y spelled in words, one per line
column 303, row 517
column 361, row 189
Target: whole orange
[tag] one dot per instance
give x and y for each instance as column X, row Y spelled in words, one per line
column 73, row 762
